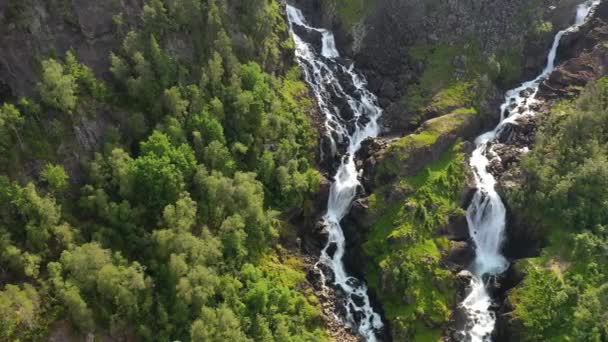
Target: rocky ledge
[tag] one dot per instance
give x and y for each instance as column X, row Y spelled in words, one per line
column 388, row 159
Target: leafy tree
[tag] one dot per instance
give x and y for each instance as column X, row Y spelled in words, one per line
column 171, row 236
column 215, row 325
column 42, row 213
column 174, row 103
column 164, row 67
column 543, row 302
column 58, row 88
column 55, row 176
column 10, row 123
column 234, row 238
column 182, row 215
column 590, row 316
column 208, row 127
column 20, row 312
column 90, row 271
column 566, row 174
column 77, row 308
column 157, row 181
column 159, row 175
column 218, row 157
column 84, row 77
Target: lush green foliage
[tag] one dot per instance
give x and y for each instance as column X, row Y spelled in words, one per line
column 57, row 88
column 566, row 199
column 166, row 227
column 55, row 176
column 414, row 287
column 11, row 121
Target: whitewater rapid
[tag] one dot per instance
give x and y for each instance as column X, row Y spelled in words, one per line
column 325, row 73
column 486, row 215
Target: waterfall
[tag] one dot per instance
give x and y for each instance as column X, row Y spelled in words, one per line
column 486, row 214
column 347, row 126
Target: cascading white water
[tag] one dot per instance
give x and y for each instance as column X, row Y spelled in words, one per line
column 323, row 72
column 486, row 214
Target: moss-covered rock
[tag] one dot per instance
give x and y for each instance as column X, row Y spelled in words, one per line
column 404, row 243
column 404, row 157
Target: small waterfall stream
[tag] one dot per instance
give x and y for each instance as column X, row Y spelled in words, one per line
column 486, row 214
column 351, row 113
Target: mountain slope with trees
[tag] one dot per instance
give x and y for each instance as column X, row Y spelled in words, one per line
column 145, row 200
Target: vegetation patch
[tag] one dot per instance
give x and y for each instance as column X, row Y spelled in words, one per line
column 458, row 75
column 398, row 156
column 415, row 289
column 565, row 293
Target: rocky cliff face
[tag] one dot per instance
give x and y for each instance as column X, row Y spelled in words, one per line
column 399, row 43
column 32, row 30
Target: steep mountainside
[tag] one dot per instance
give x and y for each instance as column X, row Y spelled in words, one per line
column 423, row 56
column 152, row 154
column 440, row 69
column 164, row 169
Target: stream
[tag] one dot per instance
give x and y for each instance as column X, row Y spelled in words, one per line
column 486, row 215
column 350, row 113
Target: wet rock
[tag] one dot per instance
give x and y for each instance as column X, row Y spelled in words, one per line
column 469, row 189
column 569, row 77
column 464, row 277
column 331, row 249
column 316, row 238
column 312, row 37
column 460, row 255
column 523, row 239
column 358, row 300
column 359, row 213
column 457, row 228
column 327, row 272
column 327, row 297
column 370, row 149
column 526, row 92
column 508, row 154
column 315, row 278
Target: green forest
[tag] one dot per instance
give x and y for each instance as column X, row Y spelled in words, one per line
column 565, row 292
column 173, row 228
